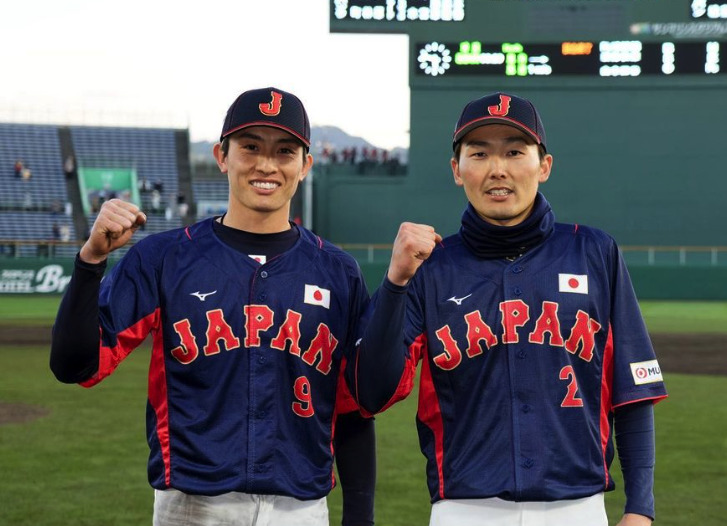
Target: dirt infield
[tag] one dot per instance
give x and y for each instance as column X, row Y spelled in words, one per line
column 677, row 353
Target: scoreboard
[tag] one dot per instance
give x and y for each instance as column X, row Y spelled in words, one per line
column 606, row 58
column 398, row 10
column 632, row 93
column 708, row 9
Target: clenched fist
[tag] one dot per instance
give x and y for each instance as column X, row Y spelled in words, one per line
column 115, row 224
column 413, row 245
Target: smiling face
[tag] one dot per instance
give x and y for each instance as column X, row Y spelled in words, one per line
column 500, row 168
column 264, row 166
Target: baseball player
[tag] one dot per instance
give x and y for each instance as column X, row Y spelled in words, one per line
column 252, row 318
column 532, row 347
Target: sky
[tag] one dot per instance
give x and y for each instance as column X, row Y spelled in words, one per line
column 182, row 63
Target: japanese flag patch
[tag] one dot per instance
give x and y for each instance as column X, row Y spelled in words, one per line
column 646, row 372
column 575, row 283
column 315, row 295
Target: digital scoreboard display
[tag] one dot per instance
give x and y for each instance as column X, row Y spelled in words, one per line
column 708, row 9
column 398, row 10
column 619, row 58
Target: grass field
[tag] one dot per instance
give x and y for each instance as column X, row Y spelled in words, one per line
column 84, row 463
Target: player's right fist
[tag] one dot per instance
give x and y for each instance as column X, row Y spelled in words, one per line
column 413, row 245
column 115, row 224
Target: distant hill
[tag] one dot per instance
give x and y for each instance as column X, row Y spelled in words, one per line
column 331, row 136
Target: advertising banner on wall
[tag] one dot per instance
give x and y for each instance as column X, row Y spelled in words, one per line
column 21, row 276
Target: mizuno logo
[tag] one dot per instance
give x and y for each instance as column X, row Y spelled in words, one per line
column 202, row 295
column 459, row 301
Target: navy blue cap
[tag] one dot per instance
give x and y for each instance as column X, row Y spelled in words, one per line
column 500, row 108
column 268, row 107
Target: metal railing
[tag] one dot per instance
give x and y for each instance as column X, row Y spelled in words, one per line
column 634, row 254
column 711, row 256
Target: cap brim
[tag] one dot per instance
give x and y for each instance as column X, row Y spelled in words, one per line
column 484, row 121
column 305, row 142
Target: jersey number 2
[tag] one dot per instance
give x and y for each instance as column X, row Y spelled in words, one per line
column 570, row 400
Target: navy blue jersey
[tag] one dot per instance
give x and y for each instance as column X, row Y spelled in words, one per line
column 523, row 363
column 244, row 373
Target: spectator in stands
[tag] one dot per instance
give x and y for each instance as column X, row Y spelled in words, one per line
column 69, row 166
column 144, row 185
column 325, row 159
column 56, row 207
column 182, row 206
column 55, row 236
column 65, row 232
column 19, row 165
column 158, row 185
column 156, row 200
column 26, row 174
column 95, row 200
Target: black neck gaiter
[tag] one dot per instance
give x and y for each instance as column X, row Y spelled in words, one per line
column 490, row 241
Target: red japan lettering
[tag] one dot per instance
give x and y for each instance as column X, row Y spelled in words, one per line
column 219, row 330
column 452, row 356
column 304, row 406
column 548, row 322
column 583, row 335
column 258, row 318
column 289, row 332
column 477, row 331
column 515, row 313
column 187, row 352
column 322, row 345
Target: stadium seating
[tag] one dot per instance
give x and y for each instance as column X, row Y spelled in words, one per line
column 29, row 208
column 31, row 225
column 210, row 190
column 39, row 148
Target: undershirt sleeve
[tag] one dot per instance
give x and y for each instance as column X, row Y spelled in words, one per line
column 355, row 443
column 74, row 354
column 382, row 352
column 634, row 426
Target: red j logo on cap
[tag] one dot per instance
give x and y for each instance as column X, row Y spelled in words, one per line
column 502, row 109
column 272, row 108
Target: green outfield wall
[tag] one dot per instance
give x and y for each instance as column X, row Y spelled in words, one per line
column 641, row 157
column 46, row 276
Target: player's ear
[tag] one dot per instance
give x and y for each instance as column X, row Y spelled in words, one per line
column 220, row 157
column 546, row 165
column 455, row 172
column 307, row 165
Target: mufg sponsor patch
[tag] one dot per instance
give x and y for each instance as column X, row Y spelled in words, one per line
column 646, row 372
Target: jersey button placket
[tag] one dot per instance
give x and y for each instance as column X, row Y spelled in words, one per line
column 256, row 448
column 514, row 279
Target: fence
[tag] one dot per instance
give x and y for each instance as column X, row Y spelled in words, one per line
column 691, row 256
column 633, row 255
